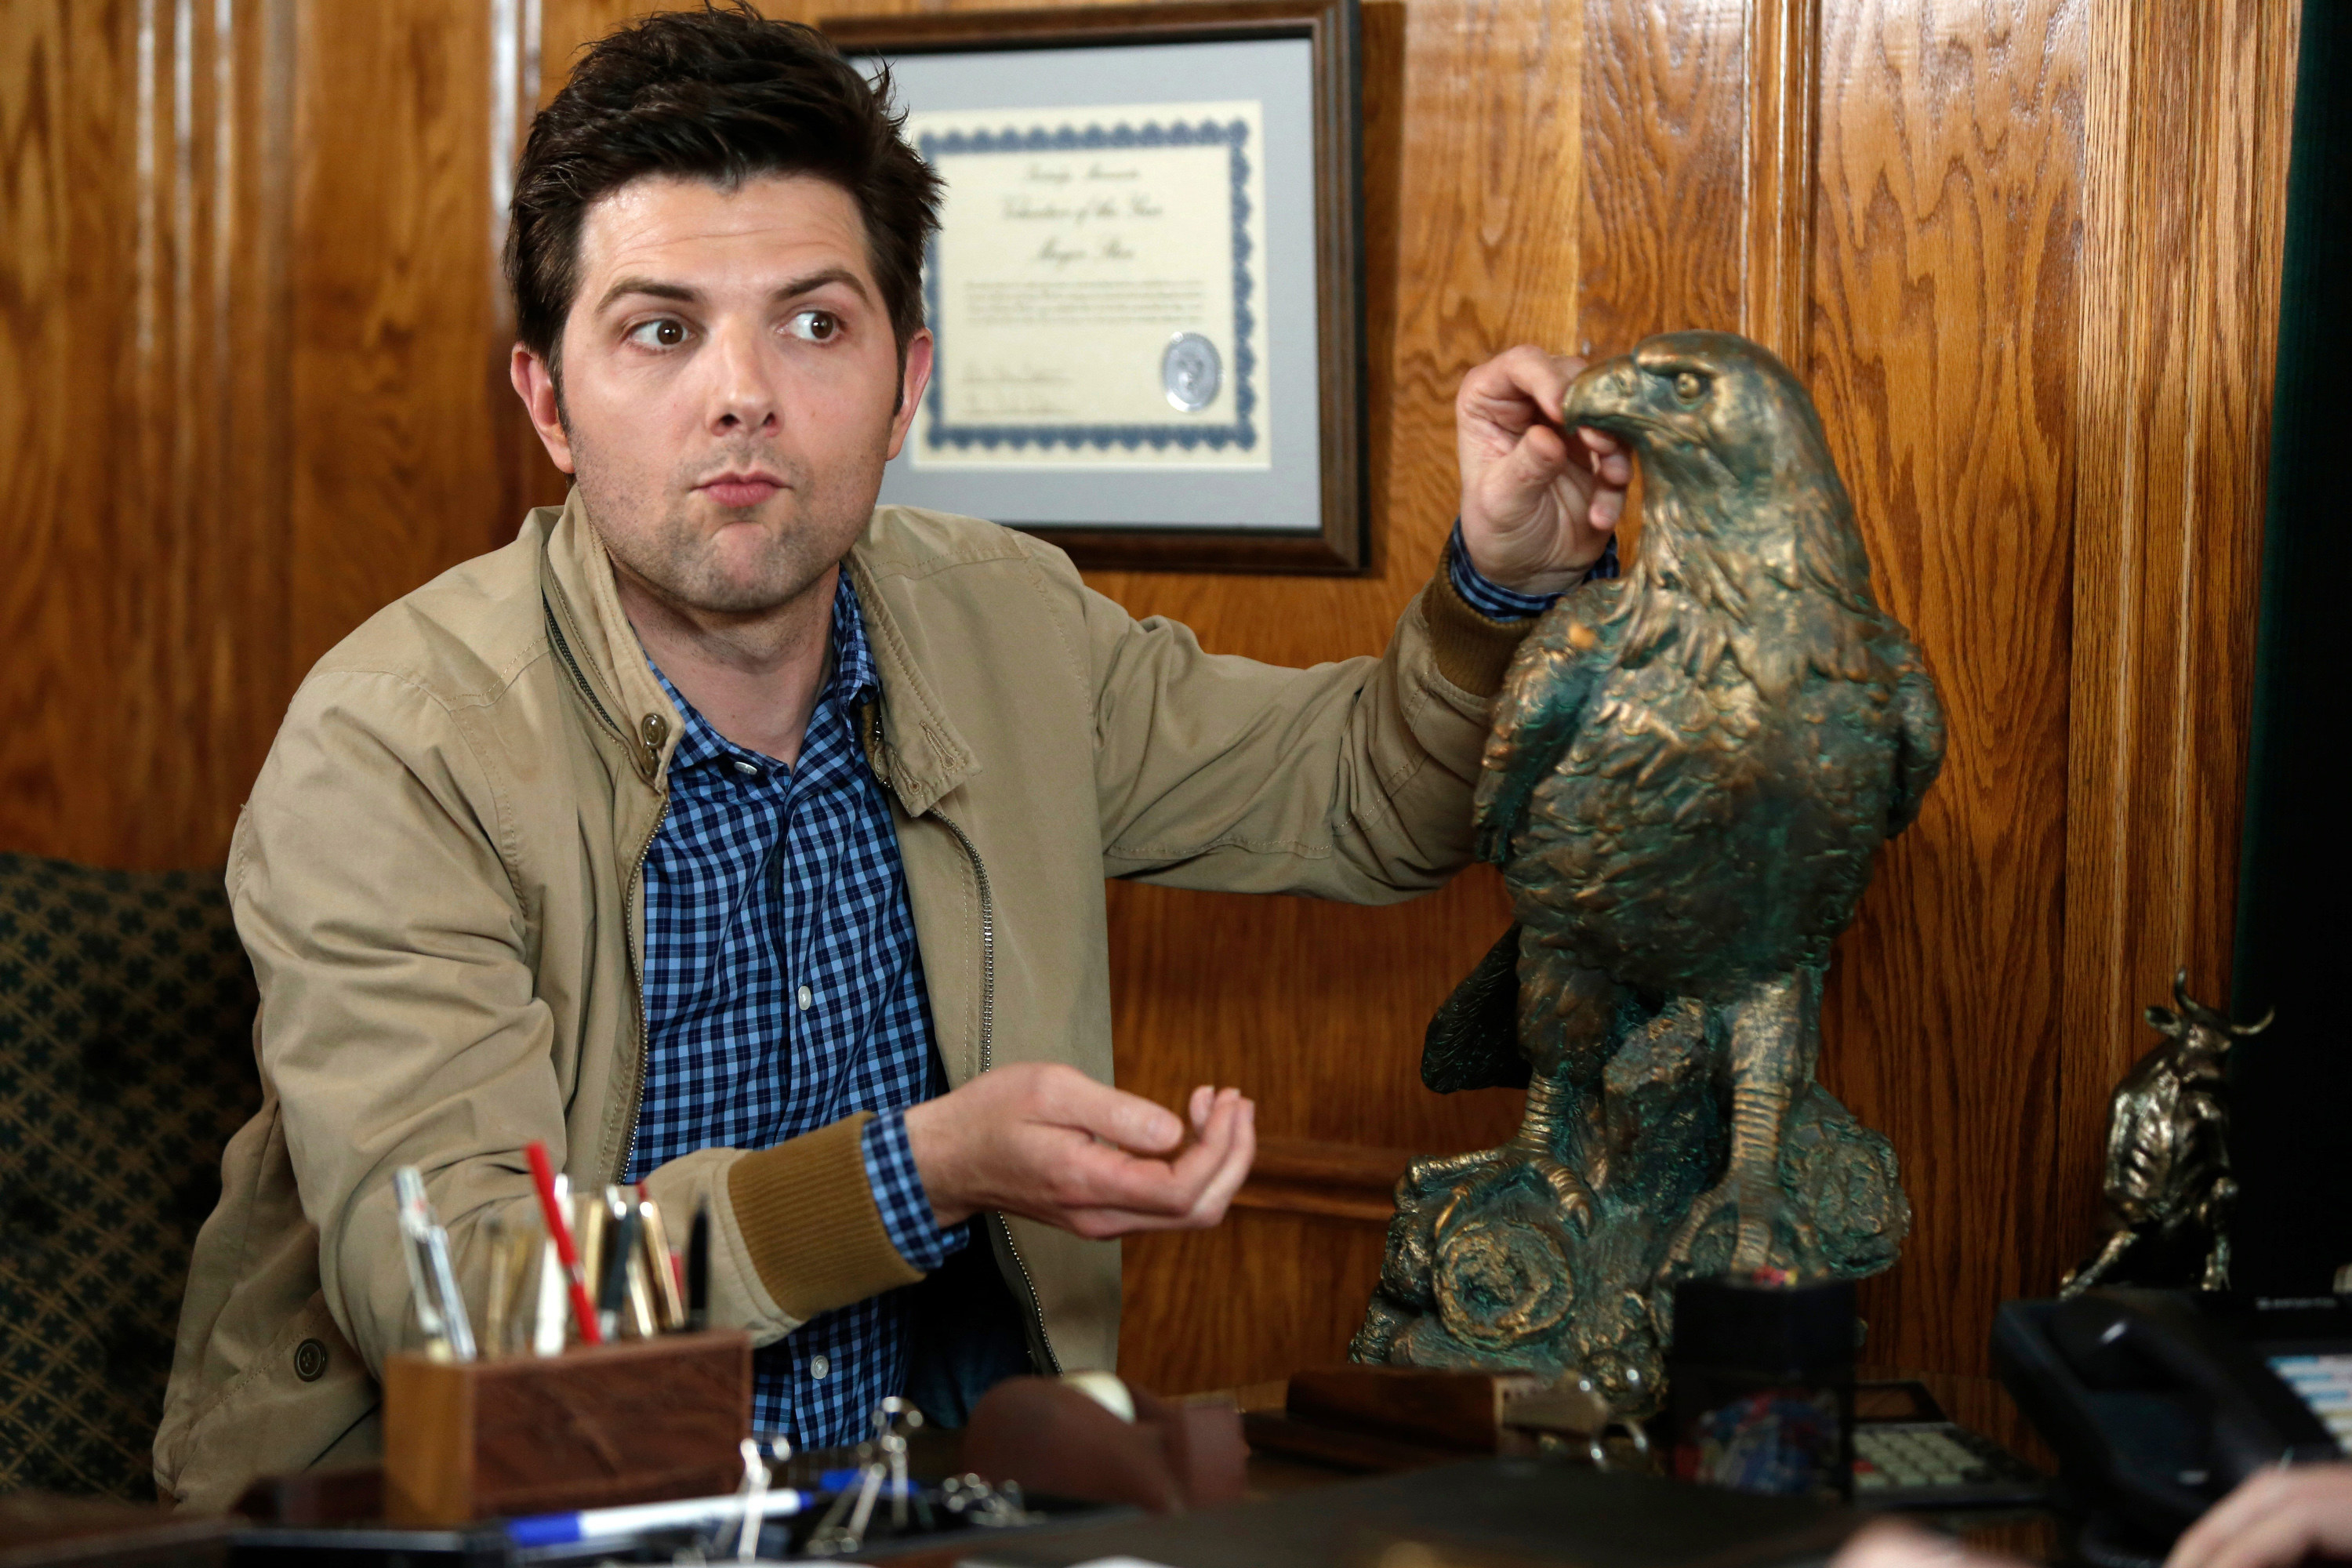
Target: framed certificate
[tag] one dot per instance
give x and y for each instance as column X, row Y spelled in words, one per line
column 1148, row 284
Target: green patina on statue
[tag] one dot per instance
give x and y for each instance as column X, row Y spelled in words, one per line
column 1690, row 770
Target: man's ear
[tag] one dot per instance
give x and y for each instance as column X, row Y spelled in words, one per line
column 912, row 380
column 535, row 384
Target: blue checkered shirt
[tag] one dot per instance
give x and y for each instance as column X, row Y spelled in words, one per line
column 1500, row 603
column 783, row 990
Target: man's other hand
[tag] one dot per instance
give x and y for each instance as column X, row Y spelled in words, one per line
column 1048, row 1143
column 2275, row 1519
column 1539, row 500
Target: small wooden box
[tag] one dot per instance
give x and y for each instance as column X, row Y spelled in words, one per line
column 634, row 1422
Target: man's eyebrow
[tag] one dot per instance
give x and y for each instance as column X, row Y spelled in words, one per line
column 818, row 279
column 652, row 286
column 791, row 289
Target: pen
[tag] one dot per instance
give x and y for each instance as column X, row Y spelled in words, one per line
column 558, row 1529
column 612, row 1290
column 408, row 1200
column 542, row 1175
column 440, row 1309
column 698, row 1270
column 669, row 1301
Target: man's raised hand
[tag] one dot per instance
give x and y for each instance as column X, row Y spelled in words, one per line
column 1539, row 500
column 1048, row 1143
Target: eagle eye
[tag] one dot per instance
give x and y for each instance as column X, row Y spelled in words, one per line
column 1690, row 386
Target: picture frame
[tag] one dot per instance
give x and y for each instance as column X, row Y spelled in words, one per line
column 1049, row 349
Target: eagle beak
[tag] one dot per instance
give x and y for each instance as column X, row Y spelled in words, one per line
column 1607, row 396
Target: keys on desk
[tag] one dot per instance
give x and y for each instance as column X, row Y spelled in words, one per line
column 2325, row 1383
column 1936, row 1464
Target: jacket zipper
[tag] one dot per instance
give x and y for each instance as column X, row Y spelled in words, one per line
column 987, row 1010
column 644, row 1031
column 651, row 741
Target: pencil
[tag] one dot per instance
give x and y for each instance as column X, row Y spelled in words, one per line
column 542, row 1175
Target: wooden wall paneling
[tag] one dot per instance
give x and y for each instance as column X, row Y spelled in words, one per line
column 1946, row 273
column 409, row 429
column 1666, row 165
column 1474, row 222
column 1780, row 50
column 2188, row 122
column 146, row 422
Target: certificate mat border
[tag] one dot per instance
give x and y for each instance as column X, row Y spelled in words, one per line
column 1242, row 433
column 1333, row 28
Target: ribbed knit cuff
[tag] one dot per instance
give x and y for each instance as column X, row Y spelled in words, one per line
column 1472, row 650
column 807, row 1214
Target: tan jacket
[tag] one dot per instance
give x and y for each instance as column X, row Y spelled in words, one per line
column 437, row 879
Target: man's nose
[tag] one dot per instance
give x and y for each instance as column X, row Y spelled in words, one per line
column 743, row 392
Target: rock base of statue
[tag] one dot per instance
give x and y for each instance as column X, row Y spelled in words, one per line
column 1489, row 1267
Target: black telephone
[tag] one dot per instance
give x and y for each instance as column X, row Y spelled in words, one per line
column 2158, row 1402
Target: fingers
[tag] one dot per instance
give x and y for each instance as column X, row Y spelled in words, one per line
column 1206, row 1210
column 2275, row 1519
column 1110, row 1194
column 1073, row 1100
column 1890, row 1543
column 1517, row 387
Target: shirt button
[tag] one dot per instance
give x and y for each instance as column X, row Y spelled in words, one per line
column 805, row 1000
column 749, row 770
column 819, row 1366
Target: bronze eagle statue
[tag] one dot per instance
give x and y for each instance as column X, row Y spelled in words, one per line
column 1690, row 770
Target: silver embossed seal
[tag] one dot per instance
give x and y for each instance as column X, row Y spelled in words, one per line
column 1189, row 371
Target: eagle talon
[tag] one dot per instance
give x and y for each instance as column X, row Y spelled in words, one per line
column 1760, row 1222
column 1495, row 1168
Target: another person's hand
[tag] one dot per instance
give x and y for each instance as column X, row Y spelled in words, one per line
column 1050, row 1144
column 2274, row 1519
column 1539, row 500
column 1892, row 1544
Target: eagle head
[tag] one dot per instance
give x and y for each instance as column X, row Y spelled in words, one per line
column 1733, row 459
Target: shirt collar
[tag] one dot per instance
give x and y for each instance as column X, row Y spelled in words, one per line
column 849, row 683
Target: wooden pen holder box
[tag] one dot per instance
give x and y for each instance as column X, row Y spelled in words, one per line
column 632, row 1422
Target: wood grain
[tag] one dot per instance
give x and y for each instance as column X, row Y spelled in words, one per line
column 1664, row 117
column 141, row 406
column 1945, row 279
column 398, row 365
column 2186, row 130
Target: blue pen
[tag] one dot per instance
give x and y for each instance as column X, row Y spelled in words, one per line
column 591, row 1524
column 848, row 1481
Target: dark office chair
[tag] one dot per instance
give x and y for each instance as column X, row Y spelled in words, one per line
column 126, row 1060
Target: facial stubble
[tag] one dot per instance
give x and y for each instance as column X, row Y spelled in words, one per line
column 808, row 527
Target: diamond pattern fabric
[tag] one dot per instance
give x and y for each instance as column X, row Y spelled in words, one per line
column 126, row 1061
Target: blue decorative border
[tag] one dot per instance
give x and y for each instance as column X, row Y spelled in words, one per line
column 1242, row 435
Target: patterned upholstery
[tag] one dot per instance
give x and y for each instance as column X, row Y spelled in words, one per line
column 126, row 1060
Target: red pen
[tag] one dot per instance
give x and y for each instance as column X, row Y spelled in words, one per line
column 542, row 1175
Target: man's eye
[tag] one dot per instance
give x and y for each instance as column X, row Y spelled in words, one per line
column 815, row 326
column 665, row 333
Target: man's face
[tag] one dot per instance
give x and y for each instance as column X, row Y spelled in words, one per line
column 731, row 388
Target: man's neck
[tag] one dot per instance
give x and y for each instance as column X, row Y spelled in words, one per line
column 754, row 678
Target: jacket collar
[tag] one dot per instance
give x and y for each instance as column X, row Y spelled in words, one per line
column 916, row 751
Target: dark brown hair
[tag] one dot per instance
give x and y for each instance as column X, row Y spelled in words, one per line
column 720, row 94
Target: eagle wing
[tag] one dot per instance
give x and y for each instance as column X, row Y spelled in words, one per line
column 1919, row 752
column 1553, row 680
column 1474, row 1040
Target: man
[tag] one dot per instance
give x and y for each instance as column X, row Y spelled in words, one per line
column 717, row 826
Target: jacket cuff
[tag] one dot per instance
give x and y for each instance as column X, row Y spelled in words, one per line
column 1472, row 650
column 808, row 1218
